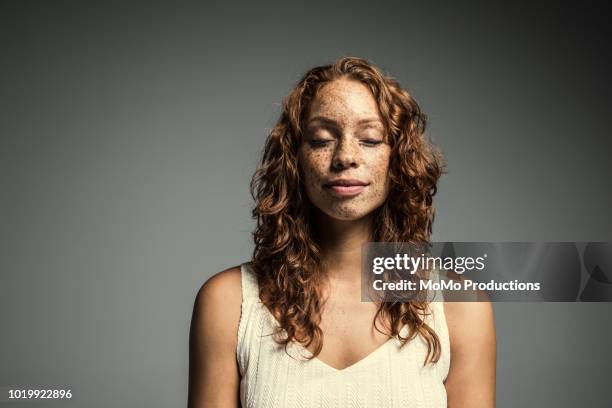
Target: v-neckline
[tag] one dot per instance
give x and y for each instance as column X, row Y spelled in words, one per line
column 322, row 363
column 357, row 363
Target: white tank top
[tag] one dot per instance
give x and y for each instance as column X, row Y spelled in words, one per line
column 388, row 377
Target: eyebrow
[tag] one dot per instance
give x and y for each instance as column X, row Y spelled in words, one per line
column 333, row 123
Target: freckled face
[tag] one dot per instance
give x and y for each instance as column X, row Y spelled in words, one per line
column 343, row 156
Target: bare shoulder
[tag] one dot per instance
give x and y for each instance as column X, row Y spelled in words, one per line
column 471, row 325
column 222, row 285
column 468, row 316
column 216, row 311
column 213, row 371
column 473, row 345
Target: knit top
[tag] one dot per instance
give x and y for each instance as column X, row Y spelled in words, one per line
column 390, row 376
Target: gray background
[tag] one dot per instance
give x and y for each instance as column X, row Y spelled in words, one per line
column 129, row 135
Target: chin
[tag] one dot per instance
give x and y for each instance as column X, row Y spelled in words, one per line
column 347, row 213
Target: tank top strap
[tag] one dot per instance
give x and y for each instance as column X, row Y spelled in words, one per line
column 436, row 300
column 250, row 288
column 438, row 294
column 439, row 324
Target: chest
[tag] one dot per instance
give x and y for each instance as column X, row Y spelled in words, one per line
column 389, row 376
column 349, row 334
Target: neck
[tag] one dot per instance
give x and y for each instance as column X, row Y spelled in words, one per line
column 341, row 243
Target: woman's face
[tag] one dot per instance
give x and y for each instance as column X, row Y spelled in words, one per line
column 343, row 157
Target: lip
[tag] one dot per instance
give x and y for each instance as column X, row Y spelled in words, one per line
column 346, row 187
column 345, row 182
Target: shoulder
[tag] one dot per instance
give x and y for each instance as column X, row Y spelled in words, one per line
column 222, row 286
column 216, row 310
column 469, row 318
column 471, row 327
column 213, row 340
column 473, row 349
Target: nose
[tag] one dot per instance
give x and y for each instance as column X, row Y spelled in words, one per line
column 345, row 154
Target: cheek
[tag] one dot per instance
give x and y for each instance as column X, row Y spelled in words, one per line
column 379, row 168
column 313, row 166
column 379, row 165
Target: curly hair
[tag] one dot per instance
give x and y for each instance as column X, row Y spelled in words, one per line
column 287, row 257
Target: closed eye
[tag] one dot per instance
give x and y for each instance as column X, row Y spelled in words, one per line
column 318, row 142
column 371, row 142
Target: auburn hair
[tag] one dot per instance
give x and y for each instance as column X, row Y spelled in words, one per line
column 287, row 257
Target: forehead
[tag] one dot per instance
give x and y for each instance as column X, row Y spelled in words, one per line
column 344, row 100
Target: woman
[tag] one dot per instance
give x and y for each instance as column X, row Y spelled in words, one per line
column 347, row 163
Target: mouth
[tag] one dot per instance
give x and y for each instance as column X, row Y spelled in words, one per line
column 346, row 187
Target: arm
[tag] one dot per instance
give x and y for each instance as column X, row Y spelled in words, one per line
column 213, row 369
column 471, row 378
